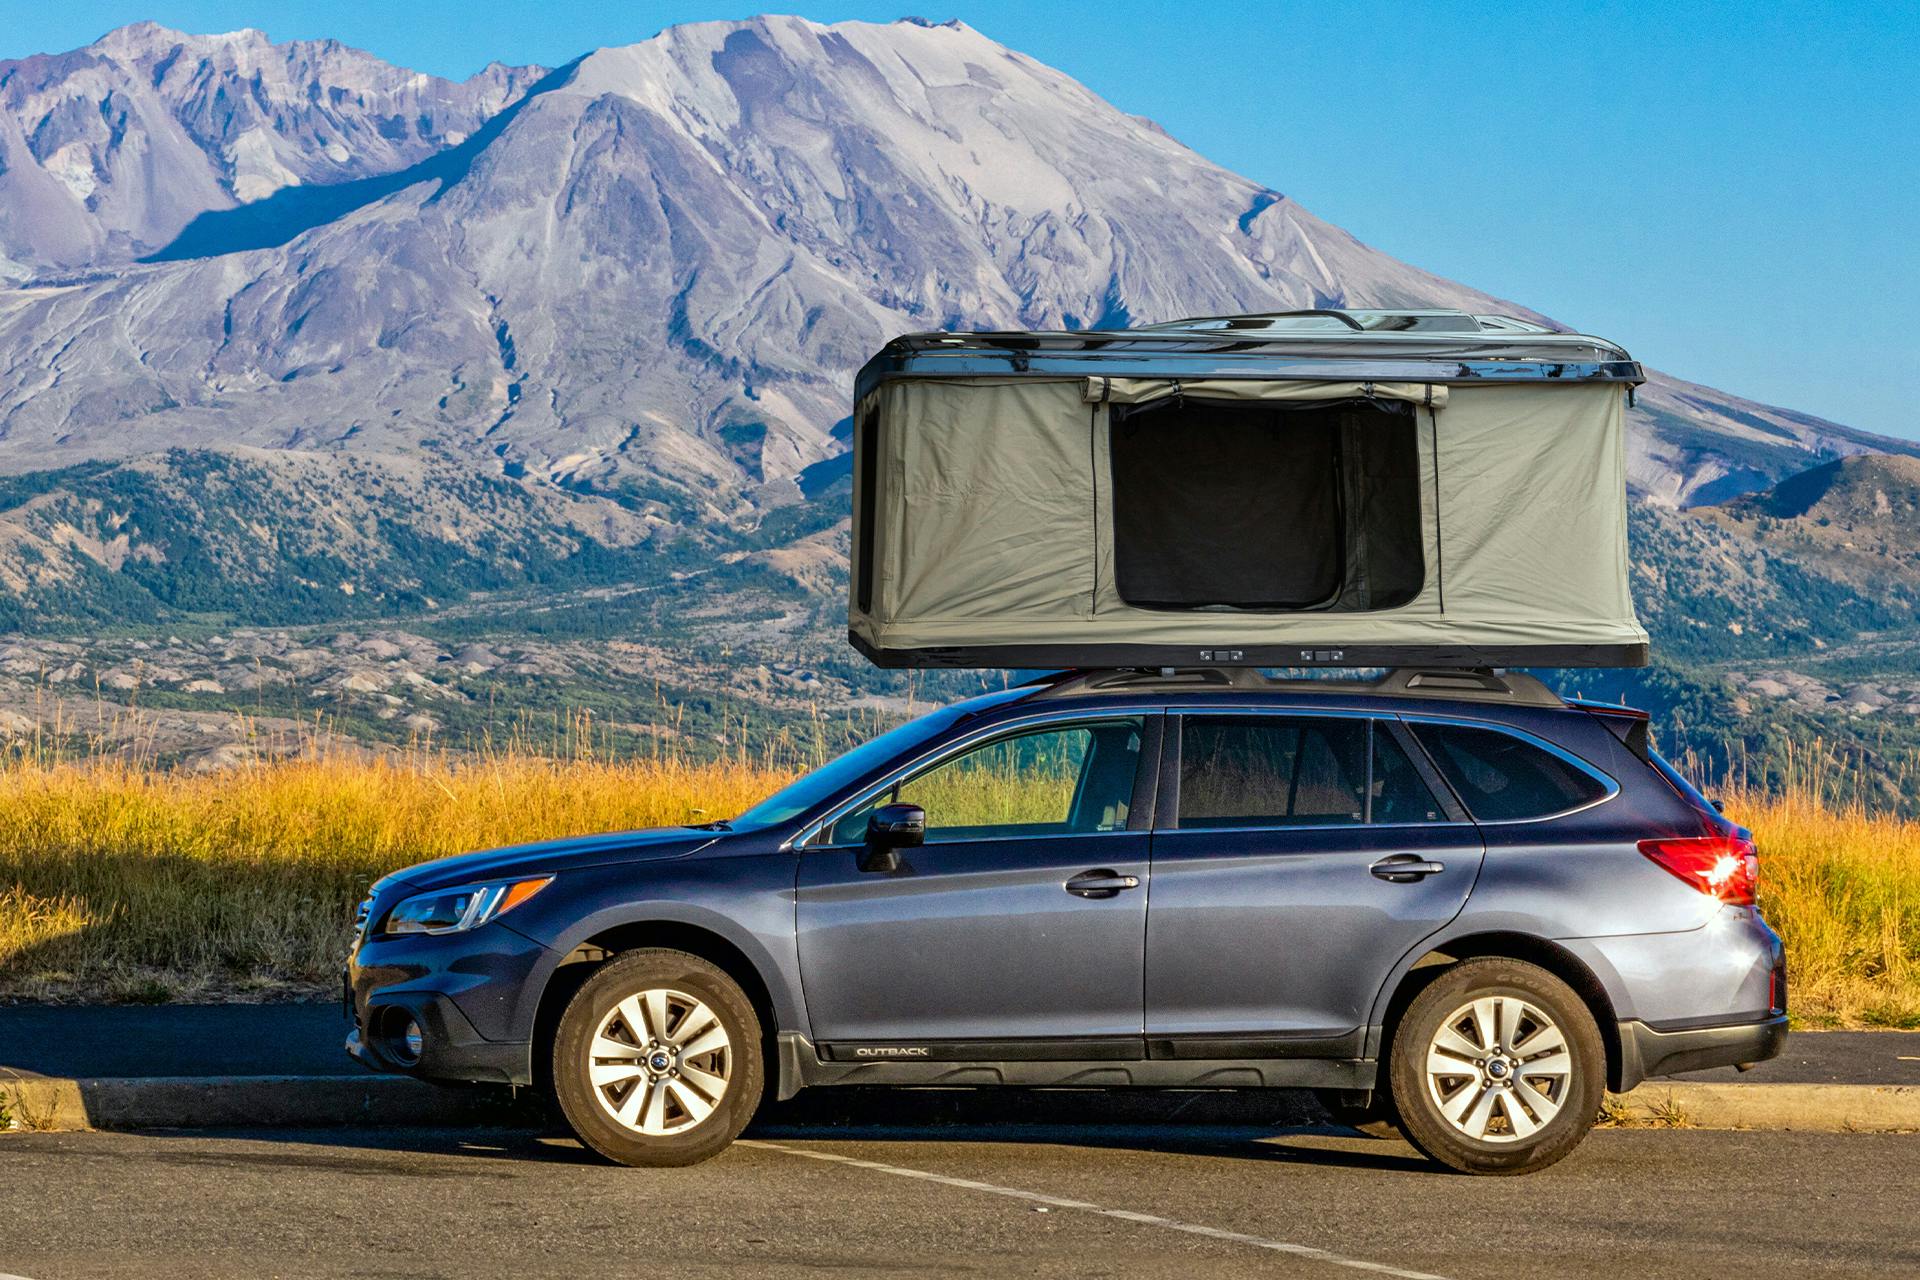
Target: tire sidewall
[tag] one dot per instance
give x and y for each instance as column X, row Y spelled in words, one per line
column 1419, row 1115
column 627, row 975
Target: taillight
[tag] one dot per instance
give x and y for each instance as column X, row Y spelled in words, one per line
column 1727, row 867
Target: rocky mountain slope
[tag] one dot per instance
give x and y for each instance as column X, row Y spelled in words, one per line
column 292, row 333
column 108, row 153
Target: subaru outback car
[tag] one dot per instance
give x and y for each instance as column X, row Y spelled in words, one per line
column 1450, row 901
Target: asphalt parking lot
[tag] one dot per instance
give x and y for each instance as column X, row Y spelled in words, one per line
column 956, row 1184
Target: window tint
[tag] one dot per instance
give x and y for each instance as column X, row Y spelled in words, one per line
column 1060, row 781
column 1399, row 793
column 1247, row 771
column 1500, row 778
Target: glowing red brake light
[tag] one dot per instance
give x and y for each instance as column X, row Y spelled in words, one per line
column 1726, row 867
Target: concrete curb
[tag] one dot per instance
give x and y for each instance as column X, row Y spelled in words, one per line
column 219, row 1102
column 216, row 1102
column 1815, row 1108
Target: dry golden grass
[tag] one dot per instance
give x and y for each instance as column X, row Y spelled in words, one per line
column 1842, row 887
column 123, row 882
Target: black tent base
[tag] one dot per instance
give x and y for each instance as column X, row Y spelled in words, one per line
column 1092, row 656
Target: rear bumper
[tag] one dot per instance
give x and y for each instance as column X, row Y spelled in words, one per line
column 1647, row 1051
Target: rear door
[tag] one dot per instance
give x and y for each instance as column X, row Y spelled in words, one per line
column 1016, row 930
column 1297, row 857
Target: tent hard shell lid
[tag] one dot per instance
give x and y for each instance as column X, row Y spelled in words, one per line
column 1323, row 488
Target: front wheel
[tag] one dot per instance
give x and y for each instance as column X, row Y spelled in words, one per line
column 1497, row 1067
column 657, row 1059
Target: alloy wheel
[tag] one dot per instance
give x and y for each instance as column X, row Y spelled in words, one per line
column 660, row 1062
column 1499, row 1069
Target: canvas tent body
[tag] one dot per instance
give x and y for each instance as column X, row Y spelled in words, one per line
column 1352, row 488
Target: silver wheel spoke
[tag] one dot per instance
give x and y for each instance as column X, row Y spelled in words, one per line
column 1483, row 1027
column 605, row 1073
column 605, row 1046
column 655, row 1004
column 1446, row 1065
column 1518, row 1120
column 1543, row 1106
column 1554, row 1064
column 1510, row 1013
column 628, row 1112
column 1545, row 1036
column 696, row 1107
column 653, row 1116
column 1482, row 1114
column 634, row 1016
column 1457, row 1107
column 708, row 1083
column 714, row 1037
column 1452, row 1042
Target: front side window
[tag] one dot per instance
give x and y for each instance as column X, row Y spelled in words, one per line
column 1061, row 780
column 1501, row 778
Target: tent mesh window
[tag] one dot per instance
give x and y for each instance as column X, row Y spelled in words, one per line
column 1221, row 504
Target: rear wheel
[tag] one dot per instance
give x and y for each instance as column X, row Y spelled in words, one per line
column 657, row 1059
column 1497, row 1068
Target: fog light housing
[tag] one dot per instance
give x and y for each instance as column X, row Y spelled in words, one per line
column 401, row 1037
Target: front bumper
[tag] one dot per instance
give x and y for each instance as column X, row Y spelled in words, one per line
column 474, row 997
column 450, row 1048
column 1647, row 1051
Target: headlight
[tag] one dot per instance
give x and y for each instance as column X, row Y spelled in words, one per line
column 466, row 907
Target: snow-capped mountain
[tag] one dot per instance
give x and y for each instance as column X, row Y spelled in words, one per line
column 635, row 287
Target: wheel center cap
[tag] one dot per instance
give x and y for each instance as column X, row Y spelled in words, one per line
column 1497, row 1068
column 659, row 1061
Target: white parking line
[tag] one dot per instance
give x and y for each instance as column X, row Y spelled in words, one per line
column 1123, row 1215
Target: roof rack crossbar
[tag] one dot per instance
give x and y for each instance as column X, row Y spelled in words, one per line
column 1471, row 684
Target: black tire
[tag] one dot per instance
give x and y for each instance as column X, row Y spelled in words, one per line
column 1506, row 1149
column 1374, row 1120
column 686, row 1139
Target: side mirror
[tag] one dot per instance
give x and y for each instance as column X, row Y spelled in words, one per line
column 891, row 828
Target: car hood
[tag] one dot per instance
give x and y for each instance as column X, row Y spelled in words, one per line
column 550, row 856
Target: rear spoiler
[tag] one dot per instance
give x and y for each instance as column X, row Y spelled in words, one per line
column 1625, row 723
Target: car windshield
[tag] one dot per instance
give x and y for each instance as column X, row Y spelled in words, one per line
column 830, row 779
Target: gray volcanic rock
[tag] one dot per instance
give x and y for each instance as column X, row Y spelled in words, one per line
column 647, row 276
column 110, row 151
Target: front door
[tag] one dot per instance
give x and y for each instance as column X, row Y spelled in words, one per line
column 1016, row 930
column 1277, row 910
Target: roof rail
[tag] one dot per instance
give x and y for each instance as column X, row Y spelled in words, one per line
column 1463, row 684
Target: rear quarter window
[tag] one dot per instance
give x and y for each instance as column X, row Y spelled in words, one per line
column 1503, row 778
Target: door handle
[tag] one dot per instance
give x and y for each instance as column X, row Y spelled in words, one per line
column 1101, row 884
column 1406, row 868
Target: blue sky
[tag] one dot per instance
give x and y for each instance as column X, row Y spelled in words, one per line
column 1728, row 189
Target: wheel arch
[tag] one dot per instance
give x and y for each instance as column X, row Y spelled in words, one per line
column 607, row 943
column 1505, row 945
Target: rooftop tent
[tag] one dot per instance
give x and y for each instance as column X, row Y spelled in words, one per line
column 1351, row 488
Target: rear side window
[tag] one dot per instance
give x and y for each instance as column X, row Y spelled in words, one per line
column 1246, row 771
column 1258, row 771
column 1501, row 778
